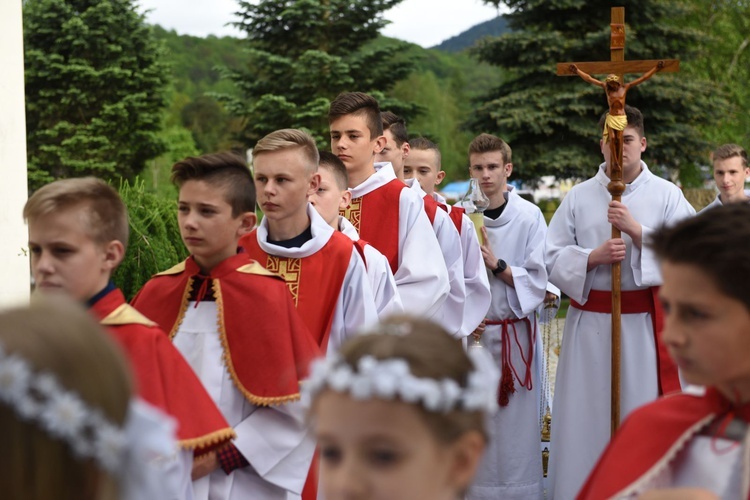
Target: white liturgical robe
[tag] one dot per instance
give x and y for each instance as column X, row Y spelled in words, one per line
column 581, row 418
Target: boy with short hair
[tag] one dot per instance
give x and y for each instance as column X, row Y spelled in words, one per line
column 579, row 254
column 322, row 268
column 78, row 234
column 384, row 211
column 513, row 254
column 696, row 439
column 730, row 173
column 236, row 325
column 397, row 147
column 333, row 196
column 423, row 163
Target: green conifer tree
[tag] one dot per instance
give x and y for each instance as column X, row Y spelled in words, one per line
column 94, row 89
column 551, row 122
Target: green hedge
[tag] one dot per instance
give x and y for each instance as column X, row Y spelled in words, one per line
column 155, row 243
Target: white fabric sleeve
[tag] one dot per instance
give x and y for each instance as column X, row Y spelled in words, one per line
column 422, row 277
column 530, row 279
column 478, row 296
column 452, row 312
column 566, row 261
column 387, row 298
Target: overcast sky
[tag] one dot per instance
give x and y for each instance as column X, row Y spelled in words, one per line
column 424, row 22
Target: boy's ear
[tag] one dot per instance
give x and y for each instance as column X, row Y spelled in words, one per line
column 247, row 222
column 314, row 184
column 114, row 252
column 379, row 144
column 405, row 149
column 466, row 453
column 346, row 199
column 440, row 177
column 508, row 169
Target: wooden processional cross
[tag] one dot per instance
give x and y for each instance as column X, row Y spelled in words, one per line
column 616, row 88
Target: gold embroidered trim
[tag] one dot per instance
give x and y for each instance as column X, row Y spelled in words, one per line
column 183, row 308
column 290, row 269
column 208, row 440
column 173, row 270
column 256, row 268
column 125, row 314
column 254, row 399
column 353, row 213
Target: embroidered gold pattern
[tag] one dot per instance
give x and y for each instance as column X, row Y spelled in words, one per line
column 290, row 269
column 353, row 212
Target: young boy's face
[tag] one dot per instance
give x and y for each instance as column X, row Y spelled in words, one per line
column 394, row 153
column 329, row 198
column 730, row 177
column 284, row 182
column 351, row 142
column 422, row 164
column 208, row 228
column 491, row 171
column 64, row 258
column 706, row 331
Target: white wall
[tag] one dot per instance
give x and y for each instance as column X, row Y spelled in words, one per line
column 14, row 263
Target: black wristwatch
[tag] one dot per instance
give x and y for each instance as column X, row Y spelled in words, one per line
column 501, row 266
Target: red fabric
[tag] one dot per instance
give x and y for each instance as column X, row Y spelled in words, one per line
column 360, row 246
column 230, row 459
column 430, row 208
column 164, row 379
column 456, row 214
column 648, row 434
column 268, row 347
column 507, row 370
column 377, row 219
column 315, row 282
column 634, row 302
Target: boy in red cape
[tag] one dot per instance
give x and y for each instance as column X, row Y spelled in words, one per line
column 78, row 232
column 693, row 445
column 236, row 325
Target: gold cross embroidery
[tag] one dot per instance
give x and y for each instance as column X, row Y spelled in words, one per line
column 290, row 269
column 353, row 212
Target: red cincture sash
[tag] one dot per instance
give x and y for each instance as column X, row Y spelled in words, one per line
column 636, row 302
column 507, row 369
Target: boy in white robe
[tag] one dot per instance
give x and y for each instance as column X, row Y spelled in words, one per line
column 730, row 173
column 332, row 196
column 384, row 211
column 423, row 164
column 579, row 251
column 513, row 254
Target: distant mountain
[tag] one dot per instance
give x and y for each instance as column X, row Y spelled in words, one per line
column 493, row 27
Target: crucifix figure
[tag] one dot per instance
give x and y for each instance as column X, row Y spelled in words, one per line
column 616, row 122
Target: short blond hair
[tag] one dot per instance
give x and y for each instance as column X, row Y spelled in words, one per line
column 106, row 215
column 57, row 336
column 289, row 138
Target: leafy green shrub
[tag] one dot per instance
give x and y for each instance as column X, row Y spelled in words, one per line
column 154, row 244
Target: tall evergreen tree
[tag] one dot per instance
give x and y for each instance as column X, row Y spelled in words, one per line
column 94, row 89
column 551, row 122
column 302, row 53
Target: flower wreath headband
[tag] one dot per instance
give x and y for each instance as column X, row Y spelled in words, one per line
column 39, row 398
column 391, row 379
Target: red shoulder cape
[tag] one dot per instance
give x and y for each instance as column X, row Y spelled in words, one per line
column 649, row 440
column 163, row 377
column 267, row 347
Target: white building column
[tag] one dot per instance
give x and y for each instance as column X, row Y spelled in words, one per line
column 14, row 261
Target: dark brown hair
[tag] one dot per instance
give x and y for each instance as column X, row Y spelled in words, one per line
column 226, row 171
column 717, row 242
column 332, row 162
column 358, row 104
column 396, row 125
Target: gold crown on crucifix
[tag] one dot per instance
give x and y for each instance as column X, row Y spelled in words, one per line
column 612, row 78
